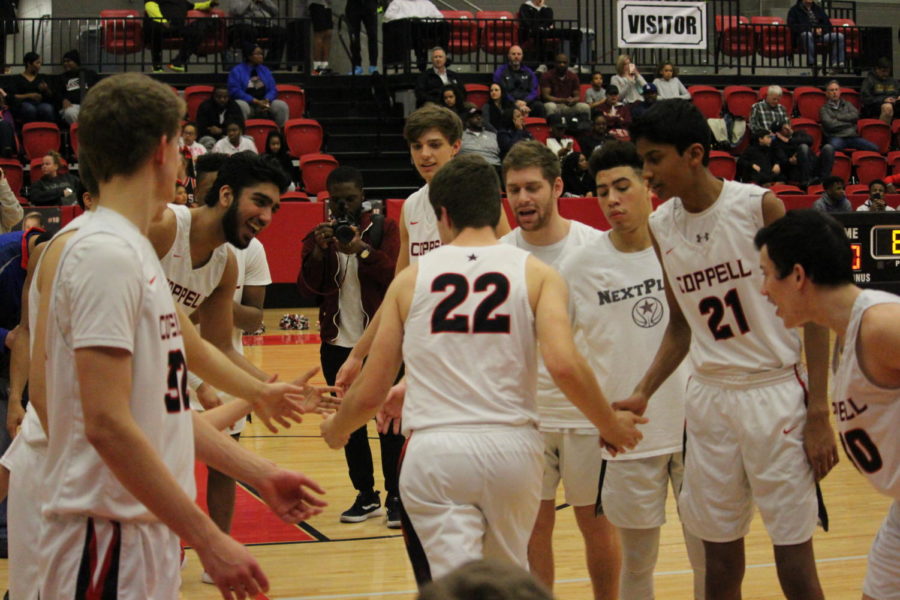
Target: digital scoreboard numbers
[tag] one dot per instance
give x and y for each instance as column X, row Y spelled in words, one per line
column 875, row 243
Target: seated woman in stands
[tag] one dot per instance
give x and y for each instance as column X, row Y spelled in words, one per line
column 235, row 141
column 628, row 80
column 493, row 110
column 252, row 86
column 667, row 83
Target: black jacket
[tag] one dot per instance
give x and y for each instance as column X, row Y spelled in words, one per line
column 757, row 155
column 798, row 20
column 429, row 86
column 208, row 116
column 69, row 84
column 48, row 191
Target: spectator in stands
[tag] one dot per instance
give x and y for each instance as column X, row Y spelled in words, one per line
column 476, row 139
column 641, row 106
column 809, row 26
column 32, row 92
column 7, row 129
column 833, row 198
column 186, row 176
column 495, row 108
column 875, row 202
column 879, row 92
column 276, row 148
column 189, row 141
column 252, row 86
column 793, row 153
column 32, row 220
column 520, row 84
column 668, row 84
column 168, row 19
column 234, row 141
column 73, row 83
column 452, row 99
column 767, row 112
column 431, row 82
column 577, row 181
column 213, row 113
column 561, row 92
column 54, row 188
column 252, row 20
column 359, row 13
column 512, row 131
column 628, row 80
column 181, row 195
column 404, row 30
column 618, row 116
column 558, row 141
column 595, row 94
column 536, row 22
column 319, row 12
column 757, row 163
column 839, row 119
column 596, row 137
column 10, row 208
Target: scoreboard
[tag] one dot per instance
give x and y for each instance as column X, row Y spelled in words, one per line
column 875, row 242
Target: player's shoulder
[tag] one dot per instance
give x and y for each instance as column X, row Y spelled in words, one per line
column 163, row 231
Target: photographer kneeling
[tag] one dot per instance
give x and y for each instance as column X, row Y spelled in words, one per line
column 348, row 263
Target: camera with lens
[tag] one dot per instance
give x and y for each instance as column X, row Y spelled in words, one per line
column 343, row 224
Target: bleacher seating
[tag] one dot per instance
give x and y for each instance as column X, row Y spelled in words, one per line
column 259, row 130
column 314, row 168
column 477, row 93
column 463, row 35
column 122, row 31
column 498, row 32
column 852, row 41
column 808, row 101
column 538, row 128
column 739, row 99
column 842, row 166
column 722, row 164
column 282, row 237
column 868, row 166
column 39, row 137
column 876, row 131
column 735, row 36
column 14, row 173
column 295, row 196
column 194, row 96
column 303, row 136
column 773, row 38
column 812, row 128
column 294, row 97
column 781, row 189
column 708, row 99
column 851, row 96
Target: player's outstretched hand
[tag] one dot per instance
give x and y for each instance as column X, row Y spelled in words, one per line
column 317, row 398
column 233, row 570
column 635, row 403
column 624, row 433
column 290, row 495
column 348, row 373
column 818, row 442
column 388, row 417
column 334, row 440
column 207, row 396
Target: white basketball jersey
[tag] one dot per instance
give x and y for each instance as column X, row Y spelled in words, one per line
column 867, row 415
column 554, row 409
column 132, row 311
column 421, row 224
column 190, row 286
column 713, row 268
column 469, row 341
column 621, row 314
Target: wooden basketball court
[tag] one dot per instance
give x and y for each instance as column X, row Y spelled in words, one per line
column 325, row 559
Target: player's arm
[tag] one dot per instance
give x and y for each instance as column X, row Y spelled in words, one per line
column 162, row 233
column 879, row 344
column 104, row 377
column 248, row 313
column 566, row 365
column 403, row 254
column 673, row 348
column 369, row 391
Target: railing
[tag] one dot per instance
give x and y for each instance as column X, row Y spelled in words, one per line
column 122, row 43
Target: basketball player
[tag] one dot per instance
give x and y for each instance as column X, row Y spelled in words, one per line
column 571, row 452
column 805, row 259
column 121, row 440
column 466, row 318
column 434, row 135
column 619, row 302
column 750, row 435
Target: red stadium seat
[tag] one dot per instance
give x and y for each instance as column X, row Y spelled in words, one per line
column 477, row 93
column 303, row 136
column 893, row 159
column 463, row 31
column 259, row 130
column 538, row 128
column 792, row 202
column 215, row 37
column 281, row 238
column 842, row 166
column 852, row 37
column 808, row 101
column 722, row 164
column 787, row 98
column 12, row 170
column 583, row 210
column 773, row 38
column 739, row 99
column 869, row 166
column 39, row 138
column 782, row 189
column 708, row 99
column 393, row 207
column 294, row 97
column 499, row 30
column 856, row 188
column 295, row 197
column 73, row 138
column 812, row 128
column 194, row 95
column 876, row 131
column 851, row 96
column 315, row 168
column 122, row 31
column 735, row 35
column 816, row 189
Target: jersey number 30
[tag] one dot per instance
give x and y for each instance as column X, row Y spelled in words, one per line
column 177, row 395
column 483, row 321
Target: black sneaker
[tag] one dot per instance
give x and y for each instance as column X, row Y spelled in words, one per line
column 366, row 506
column 392, row 504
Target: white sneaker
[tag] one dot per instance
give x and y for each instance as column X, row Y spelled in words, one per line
column 205, row 578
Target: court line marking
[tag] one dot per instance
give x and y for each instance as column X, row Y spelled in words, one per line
column 573, row 580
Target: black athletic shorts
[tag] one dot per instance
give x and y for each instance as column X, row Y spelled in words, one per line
column 322, row 19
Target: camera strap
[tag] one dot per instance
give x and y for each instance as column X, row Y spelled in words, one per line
column 376, row 229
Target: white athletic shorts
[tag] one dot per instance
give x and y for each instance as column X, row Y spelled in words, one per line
column 883, row 572
column 235, row 429
column 25, row 463
column 745, row 445
column 472, row 493
column 633, row 492
column 574, row 458
column 126, row 561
